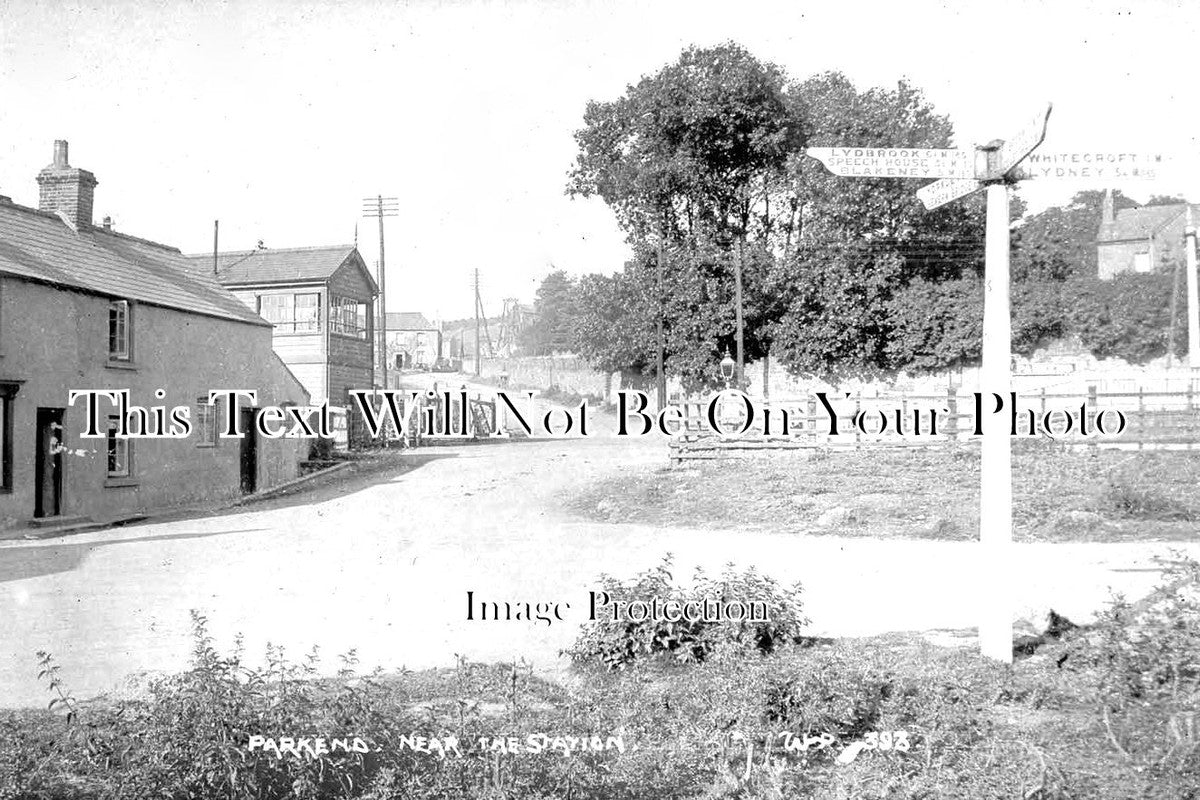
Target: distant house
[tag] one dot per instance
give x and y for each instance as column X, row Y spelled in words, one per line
column 1140, row 239
column 85, row 307
column 413, row 341
column 319, row 300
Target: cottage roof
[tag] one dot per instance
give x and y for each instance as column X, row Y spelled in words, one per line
column 42, row 246
column 408, row 321
column 1142, row 222
column 288, row 265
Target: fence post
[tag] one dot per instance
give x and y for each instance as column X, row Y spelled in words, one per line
column 1141, row 414
column 857, row 412
column 952, row 410
column 811, row 422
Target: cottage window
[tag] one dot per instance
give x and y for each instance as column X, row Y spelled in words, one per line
column 206, row 423
column 118, row 451
column 291, row 313
column 348, row 317
column 118, row 330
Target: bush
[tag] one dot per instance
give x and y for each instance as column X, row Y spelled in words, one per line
column 1146, row 660
column 616, row 643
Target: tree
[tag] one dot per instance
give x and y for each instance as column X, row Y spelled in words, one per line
column 857, row 243
column 614, row 328
column 680, row 154
column 1060, row 242
column 936, row 324
column 1126, row 317
column 1165, row 200
column 555, row 325
column 692, row 161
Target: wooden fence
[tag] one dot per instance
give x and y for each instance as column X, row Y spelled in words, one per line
column 1152, row 420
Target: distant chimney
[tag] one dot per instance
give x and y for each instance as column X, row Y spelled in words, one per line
column 1108, row 218
column 107, row 223
column 66, row 189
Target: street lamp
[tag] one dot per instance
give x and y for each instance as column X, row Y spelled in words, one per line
column 727, row 367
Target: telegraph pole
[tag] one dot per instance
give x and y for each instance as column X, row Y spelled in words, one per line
column 660, row 376
column 380, row 206
column 478, row 347
column 737, row 287
column 1193, row 307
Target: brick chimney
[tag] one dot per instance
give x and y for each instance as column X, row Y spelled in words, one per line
column 65, row 189
column 1108, row 218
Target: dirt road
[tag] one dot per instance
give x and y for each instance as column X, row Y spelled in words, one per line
column 384, row 565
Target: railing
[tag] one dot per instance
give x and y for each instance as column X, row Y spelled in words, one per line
column 1151, row 420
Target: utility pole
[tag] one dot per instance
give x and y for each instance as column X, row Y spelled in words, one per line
column 216, row 230
column 737, row 285
column 380, row 206
column 660, row 376
column 1193, row 307
column 478, row 348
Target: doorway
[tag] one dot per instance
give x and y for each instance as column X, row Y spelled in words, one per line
column 249, row 451
column 48, row 463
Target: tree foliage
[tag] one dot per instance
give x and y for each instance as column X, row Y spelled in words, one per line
column 554, row 326
column 703, row 165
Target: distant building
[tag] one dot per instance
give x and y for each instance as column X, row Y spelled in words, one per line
column 1140, row 239
column 413, row 342
column 319, row 300
column 86, row 307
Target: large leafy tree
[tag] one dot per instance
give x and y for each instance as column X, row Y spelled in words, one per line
column 856, row 243
column 1060, row 242
column 557, row 315
column 693, row 160
column 684, row 152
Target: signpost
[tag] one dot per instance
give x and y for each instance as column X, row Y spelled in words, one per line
column 896, row 162
column 1094, row 166
column 946, row 190
column 991, row 167
column 1011, row 151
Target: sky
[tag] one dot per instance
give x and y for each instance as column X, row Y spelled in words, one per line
column 278, row 118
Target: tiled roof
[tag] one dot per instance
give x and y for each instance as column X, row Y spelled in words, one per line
column 40, row 246
column 1142, row 222
column 408, row 321
column 289, row 265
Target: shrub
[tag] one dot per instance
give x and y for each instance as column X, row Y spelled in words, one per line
column 616, row 642
column 1146, row 660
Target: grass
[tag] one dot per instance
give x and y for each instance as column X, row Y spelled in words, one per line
column 1105, row 712
column 713, row 730
column 1059, row 495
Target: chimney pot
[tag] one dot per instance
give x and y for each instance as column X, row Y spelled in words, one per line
column 107, row 223
column 60, row 153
